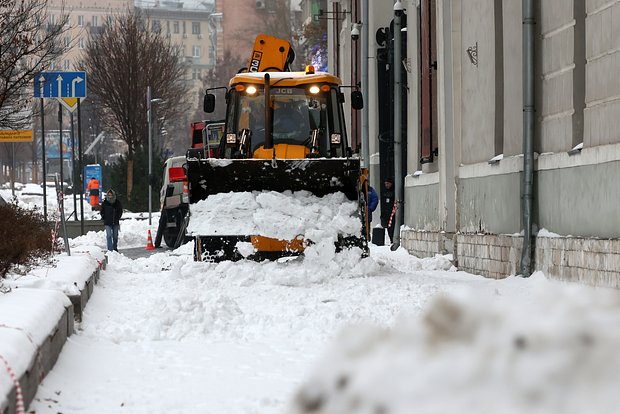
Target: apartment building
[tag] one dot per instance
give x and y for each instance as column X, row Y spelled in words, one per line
column 87, row 17
column 195, row 30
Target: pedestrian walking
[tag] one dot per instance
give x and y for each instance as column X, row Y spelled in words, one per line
column 111, row 212
column 387, row 206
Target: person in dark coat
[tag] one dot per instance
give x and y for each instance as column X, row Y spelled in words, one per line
column 111, row 212
column 387, row 204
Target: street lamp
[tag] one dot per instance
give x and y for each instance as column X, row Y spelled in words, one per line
column 150, row 101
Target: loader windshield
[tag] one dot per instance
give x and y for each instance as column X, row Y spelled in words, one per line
column 299, row 118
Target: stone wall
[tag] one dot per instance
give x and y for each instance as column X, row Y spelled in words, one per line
column 426, row 243
column 573, row 259
column 495, row 256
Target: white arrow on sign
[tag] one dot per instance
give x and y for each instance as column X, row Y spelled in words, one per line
column 59, row 80
column 41, row 86
column 73, row 83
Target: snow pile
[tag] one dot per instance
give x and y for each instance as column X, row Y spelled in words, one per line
column 282, row 216
column 470, row 354
column 181, row 299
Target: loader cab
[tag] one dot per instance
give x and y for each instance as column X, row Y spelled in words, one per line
column 306, row 121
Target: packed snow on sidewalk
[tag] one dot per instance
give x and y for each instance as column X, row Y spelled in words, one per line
column 333, row 333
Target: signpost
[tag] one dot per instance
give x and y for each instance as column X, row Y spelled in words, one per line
column 69, row 88
column 15, row 135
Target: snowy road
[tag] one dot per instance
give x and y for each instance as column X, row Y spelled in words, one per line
column 164, row 334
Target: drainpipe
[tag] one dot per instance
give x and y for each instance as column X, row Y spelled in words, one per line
column 398, row 158
column 365, row 139
column 528, row 135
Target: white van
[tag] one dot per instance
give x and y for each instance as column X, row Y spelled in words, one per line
column 174, row 201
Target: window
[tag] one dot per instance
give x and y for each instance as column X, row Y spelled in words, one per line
column 95, row 21
column 195, row 28
column 81, row 43
column 109, row 19
column 80, row 21
column 184, row 28
column 196, row 51
column 52, row 20
column 156, row 26
column 67, row 64
column 196, row 73
column 175, row 27
column 52, row 66
column 66, row 41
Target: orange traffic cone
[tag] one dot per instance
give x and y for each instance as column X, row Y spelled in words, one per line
column 149, row 244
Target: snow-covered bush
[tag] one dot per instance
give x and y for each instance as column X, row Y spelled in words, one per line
column 26, row 237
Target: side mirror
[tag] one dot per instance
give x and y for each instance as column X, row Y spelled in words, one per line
column 357, row 100
column 209, row 103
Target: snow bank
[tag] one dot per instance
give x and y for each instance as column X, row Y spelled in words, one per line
column 67, row 274
column 469, row 354
column 27, row 316
column 272, row 214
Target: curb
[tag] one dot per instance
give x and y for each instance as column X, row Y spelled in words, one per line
column 47, row 353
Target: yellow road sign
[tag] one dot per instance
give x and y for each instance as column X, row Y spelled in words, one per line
column 69, row 103
column 15, row 135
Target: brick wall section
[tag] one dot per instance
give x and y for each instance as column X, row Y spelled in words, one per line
column 495, row 256
column 425, row 243
column 572, row 259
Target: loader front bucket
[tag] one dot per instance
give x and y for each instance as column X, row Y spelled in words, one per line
column 320, row 177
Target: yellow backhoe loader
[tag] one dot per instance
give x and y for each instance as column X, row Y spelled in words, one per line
column 284, row 131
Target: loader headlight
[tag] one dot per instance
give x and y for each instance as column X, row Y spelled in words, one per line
column 250, row 90
column 231, row 138
column 314, row 89
column 336, row 139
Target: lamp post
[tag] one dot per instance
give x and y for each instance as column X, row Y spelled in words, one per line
column 149, row 102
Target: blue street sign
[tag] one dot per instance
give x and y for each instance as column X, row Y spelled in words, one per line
column 60, row 85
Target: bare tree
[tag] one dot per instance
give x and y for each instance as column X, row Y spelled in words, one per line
column 122, row 62
column 219, row 76
column 29, row 43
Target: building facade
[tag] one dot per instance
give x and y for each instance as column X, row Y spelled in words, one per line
column 464, row 165
column 194, row 30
